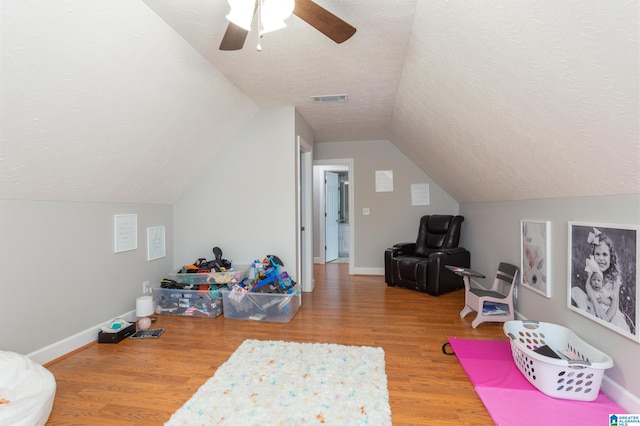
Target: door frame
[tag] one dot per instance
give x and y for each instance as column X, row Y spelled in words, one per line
column 338, row 164
column 304, row 216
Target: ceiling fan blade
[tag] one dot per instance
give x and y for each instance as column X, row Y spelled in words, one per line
column 234, row 37
column 323, row 20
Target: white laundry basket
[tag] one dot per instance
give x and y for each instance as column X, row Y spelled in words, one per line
column 578, row 378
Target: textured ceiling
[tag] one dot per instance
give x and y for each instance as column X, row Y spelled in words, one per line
column 527, row 99
column 299, row 62
column 499, row 100
column 518, row 98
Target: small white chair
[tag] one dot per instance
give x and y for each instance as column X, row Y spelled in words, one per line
column 494, row 304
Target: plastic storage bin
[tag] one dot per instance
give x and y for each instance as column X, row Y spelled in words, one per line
column 270, row 307
column 218, row 278
column 577, row 373
column 188, row 303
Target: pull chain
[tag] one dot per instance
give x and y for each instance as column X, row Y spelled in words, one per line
column 259, row 47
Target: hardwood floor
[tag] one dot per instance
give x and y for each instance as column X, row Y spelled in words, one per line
column 142, row 382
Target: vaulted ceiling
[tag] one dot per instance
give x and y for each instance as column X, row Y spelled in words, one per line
column 495, row 101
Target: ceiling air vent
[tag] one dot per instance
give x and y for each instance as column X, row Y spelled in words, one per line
column 329, row 98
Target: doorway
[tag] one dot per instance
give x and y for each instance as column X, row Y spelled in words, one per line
column 343, row 247
column 331, row 216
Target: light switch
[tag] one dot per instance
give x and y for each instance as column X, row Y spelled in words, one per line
column 365, row 211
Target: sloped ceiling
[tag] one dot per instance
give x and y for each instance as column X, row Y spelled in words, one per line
column 299, row 62
column 495, row 101
column 103, row 102
column 509, row 100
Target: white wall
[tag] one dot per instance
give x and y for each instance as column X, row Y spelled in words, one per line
column 492, row 234
column 59, row 275
column 392, row 218
column 99, row 95
column 60, row 279
column 245, row 202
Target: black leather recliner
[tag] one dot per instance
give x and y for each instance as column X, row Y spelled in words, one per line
column 421, row 265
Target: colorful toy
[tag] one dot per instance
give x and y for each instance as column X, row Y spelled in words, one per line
column 269, row 278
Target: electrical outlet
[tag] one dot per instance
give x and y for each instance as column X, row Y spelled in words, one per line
column 145, row 287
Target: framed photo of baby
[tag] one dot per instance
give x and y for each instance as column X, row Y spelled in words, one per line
column 603, row 275
column 534, row 256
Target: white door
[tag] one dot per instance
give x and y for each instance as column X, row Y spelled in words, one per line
column 331, row 214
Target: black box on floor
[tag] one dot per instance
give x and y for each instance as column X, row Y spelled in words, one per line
column 118, row 335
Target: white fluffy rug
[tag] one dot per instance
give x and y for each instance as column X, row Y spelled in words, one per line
column 287, row 383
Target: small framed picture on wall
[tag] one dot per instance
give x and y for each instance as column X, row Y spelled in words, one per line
column 156, row 247
column 535, row 256
column 125, row 232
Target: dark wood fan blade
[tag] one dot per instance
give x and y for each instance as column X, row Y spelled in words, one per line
column 233, row 38
column 323, row 20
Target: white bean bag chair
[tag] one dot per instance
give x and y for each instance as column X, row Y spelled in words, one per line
column 27, row 390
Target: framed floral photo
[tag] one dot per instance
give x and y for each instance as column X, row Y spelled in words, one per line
column 534, row 256
column 603, row 275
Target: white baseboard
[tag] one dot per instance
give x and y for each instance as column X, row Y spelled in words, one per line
column 368, row 271
column 71, row 343
column 358, row 271
column 620, row 395
column 308, row 288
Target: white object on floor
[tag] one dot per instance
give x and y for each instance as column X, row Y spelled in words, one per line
column 290, row 383
column 27, row 390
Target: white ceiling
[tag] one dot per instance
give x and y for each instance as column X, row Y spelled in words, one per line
column 520, row 98
column 299, row 62
column 494, row 100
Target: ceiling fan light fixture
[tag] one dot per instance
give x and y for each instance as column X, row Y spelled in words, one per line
column 273, row 13
column 268, row 25
column 241, row 13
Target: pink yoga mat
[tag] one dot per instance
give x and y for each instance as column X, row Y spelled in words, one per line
column 511, row 400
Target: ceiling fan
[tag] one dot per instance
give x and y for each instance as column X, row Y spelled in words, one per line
column 313, row 14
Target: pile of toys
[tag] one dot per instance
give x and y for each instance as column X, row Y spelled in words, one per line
column 202, row 265
column 195, row 289
column 267, row 294
column 203, row 304
column 269, row 277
